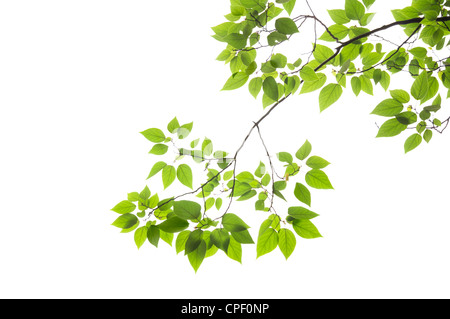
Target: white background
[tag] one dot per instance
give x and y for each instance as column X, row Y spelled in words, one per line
column 80, row 79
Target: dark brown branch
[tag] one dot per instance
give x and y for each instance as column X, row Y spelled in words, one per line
column 365, row 35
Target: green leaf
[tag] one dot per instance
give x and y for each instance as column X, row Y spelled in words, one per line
column 250, row 3
column 400, row 95
column 286, row 242
column 278, row 61
column 221, row 239
column 338, row 31
column 184, row 130
column 317, row 162
column 354, row 9
column 168, row 175
column 174, row 225
column 124, row 207
column 407, row 117
column 308, row 74
column 130, row 229
column 286, row 26
column 338, row 16
column 279, row 185
column 322, row 53
column 304, row 151
column 302, row 193
column 279, row 194
column 167, row 237
column 145, row 194
column 305, row 229
column 224, row 55
column 270, row 88
column 236, row 40
column 197, row 256
column 299, row 212
column 412, row 142
column 187, row 210
column 432, row 108
column 235, row 250
column 154, row 135
column 159, row 149
column 391, row 128
column 388, row 107
column 433, row 88
column 184, row 175
column 173, row 125
column 255, row 86
column 368, row 3
column 372, row 59
column 265, row 180
column 267, row 242
column 264, row 226
column 366, row 19
column 385, row 80
column 329, row 95
column 165, row 204
column 308, row 87
column 261, row 170
column 156, row 168
column 153, row 235
column 132, row 197
column 140, row 236
column 356, row 85
column 243, row 237
column 235, row 81
column 193, row 241
column 180, row 242
column 427, row 135
column 247, row 195
column 207, row 147
column 284, row 157
column 275, row 38
column 318, row 179
column 289, row 6
column 233, row 223
column 419, row 52
column 125, row 221
column 366, row 85
column 419, row 89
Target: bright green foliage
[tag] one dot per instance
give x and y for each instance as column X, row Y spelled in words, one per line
column 304, row 151
column 286, row 26
column 186, row 219
column 125, row 221
column 184, row 175
column 140, row 236
column 267, row 242
column 354, row 9
column 305, row 229
column 391, row 128
column 154, row 135
column 187, row 210
column 344, row 53
column 412, row 142
column 329, row 95
column 388, row 107
column 317, row 178
column 168, row 175
column 302, row 193
column 124, row 207
column 286, row 242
